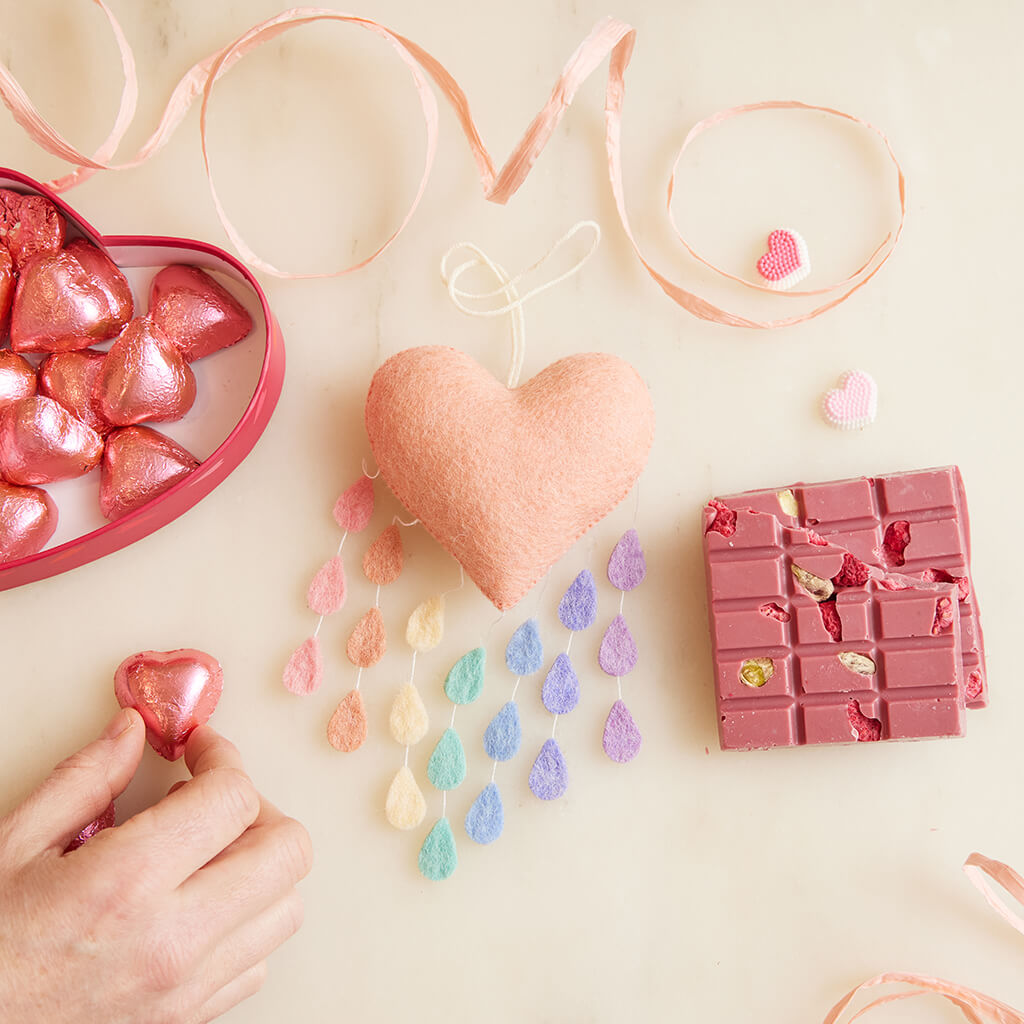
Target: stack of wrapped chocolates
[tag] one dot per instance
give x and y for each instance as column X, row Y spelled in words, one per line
column 68, row 406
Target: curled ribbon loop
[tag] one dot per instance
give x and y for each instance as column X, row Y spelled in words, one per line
column 977, row 1007
column 609, row 38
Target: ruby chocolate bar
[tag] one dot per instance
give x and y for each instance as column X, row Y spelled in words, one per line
column 843, row 612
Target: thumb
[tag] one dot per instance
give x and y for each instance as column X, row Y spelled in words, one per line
column 79, row 789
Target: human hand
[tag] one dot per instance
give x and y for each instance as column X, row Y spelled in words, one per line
column 166, row 919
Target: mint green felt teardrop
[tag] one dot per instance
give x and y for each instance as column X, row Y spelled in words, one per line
column 447, row 765
column 465, row 681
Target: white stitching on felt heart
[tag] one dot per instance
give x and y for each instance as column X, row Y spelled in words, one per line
column 854, row 404
column 786, row 262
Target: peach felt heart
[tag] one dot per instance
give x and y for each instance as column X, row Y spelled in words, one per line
column 506, row 480
column 854, row 404
column 134, row 254
column 786, row 262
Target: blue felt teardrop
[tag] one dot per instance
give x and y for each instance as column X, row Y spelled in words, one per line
column 465, row 681
column 438, row 857
column 525, row 652
column 549, row 776
column 447, row 765
column 502, row 738
column 561, row 690
column 486, row 818
column 578, row 608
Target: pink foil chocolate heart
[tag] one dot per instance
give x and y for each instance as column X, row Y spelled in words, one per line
column 174, row 691
column 506, row 480
column 6, row 287
column 786, row 262
column 854, row 404
column 17, row 378
column 138, row 465
column 29, row 225
column 62, row 304
column 28, row 518
column 195, row 312
column 70, row 378
column 40, row 441
column 144, row 377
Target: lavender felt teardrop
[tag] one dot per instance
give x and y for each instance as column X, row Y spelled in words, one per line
column 621, row 736
column 503, row 737
column 578, row 608
column 627, row 566
column 485, row 820
column 618, row 653
column 561, row 690
column 525, row 652
column 549, row 776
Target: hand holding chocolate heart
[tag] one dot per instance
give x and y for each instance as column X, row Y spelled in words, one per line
column 65, row 406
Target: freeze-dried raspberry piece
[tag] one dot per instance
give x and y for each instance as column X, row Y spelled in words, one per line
column 865, row 730
column 942, row 576
column 943, row 616
column 854, row 572
column 773, row 611
column 972, row 691
column 830, row 619
column 897, row 537
column 724, row 521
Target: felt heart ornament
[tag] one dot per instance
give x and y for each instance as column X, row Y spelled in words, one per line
column 228, row 440
column 174, row 691
column 786, row 262
column 507, row 479
column 854, row 404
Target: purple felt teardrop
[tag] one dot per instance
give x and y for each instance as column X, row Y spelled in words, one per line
column 627, row 566
column 578, row 608
column 549, row 776
column 618, row 652
column 561, row 690
column 621, row 736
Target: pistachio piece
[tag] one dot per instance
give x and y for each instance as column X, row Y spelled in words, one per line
column 756, row 671
column 819, row 589
column 859, row 663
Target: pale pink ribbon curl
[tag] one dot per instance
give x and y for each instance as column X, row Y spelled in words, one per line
column 977, row 1007
column 609, row 38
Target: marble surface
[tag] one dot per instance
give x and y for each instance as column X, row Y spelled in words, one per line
column 690, row 884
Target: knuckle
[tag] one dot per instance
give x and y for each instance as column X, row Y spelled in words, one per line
column 236, row 793
column 297, row 847
column 165, row 964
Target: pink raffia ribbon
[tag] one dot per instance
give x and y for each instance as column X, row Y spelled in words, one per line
column 977, row 1007
column 609, row 38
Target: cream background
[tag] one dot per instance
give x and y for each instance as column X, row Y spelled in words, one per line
column 687, row 885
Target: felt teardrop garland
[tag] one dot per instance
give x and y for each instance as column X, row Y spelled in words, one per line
column 446, row 768
column 627, row 569
column 524, row 655
column 328, row 589
column 549, row 777
column 405, row 806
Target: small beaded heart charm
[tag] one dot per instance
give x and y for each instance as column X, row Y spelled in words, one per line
column 854, row 404
column 786, row 262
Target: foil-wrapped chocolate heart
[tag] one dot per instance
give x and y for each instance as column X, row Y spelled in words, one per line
column 70, row 378
column 28, row 518
column 6, row 287
column 138, row 464
column 195, row 312
column 62, row 304
column 29, row 225
column 174, row 691
column 17, row 378
column 144, row 377
column 40, row 441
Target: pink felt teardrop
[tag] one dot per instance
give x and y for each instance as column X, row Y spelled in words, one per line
column 327, row 592
column 368, row 642
column 383, row 560
column 354, row 508
column 305, row 669
column 347, row 728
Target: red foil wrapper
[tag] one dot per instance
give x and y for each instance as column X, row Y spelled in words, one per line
column 138, row 464
column 70, row 378
column 144, row 377
column 106, row 820
column 17, row 378
column 174, row 691
column 195, row 312
column 41, row 441
column 62, row 304
column 28, row 518
column 29, row 227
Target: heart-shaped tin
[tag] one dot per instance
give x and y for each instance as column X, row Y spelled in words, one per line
column 220, row 446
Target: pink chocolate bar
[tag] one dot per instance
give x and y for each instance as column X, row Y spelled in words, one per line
column 841, row 612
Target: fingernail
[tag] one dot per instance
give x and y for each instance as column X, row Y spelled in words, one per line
column 118, row 725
